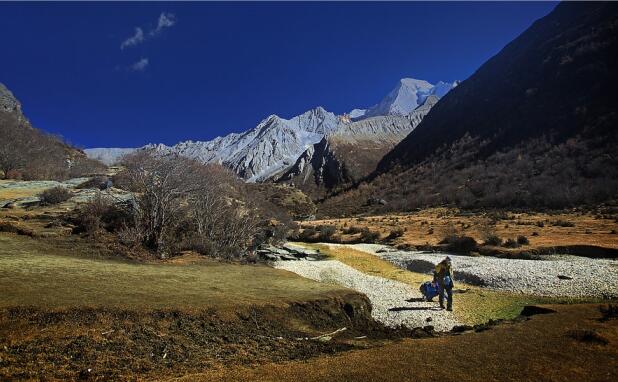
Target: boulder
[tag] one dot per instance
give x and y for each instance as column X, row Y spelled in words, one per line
column 288, row 257
column 278, row 251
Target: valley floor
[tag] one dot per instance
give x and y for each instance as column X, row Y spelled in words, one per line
column 71, row 309
column 591, row 232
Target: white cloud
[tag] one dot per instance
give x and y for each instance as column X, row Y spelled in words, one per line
column 166, row 20
column 137, row 38
column 139, row 65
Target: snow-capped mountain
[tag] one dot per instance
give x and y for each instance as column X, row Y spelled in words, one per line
column 352, row 151
column 108, row 155
column 271, row 146
column 409, row 94
column 275, row 145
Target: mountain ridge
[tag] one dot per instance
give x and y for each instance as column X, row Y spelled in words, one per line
column 275, row 144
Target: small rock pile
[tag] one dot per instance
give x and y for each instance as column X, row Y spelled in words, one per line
column 287, row 252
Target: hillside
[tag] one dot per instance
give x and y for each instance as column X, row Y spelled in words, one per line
column 29, row 153
column 533, row 127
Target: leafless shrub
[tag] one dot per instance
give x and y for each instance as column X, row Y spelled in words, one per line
column 103, row 213
column 308, row 234
column 28, row 153
column 55, row 195
column 183, row 205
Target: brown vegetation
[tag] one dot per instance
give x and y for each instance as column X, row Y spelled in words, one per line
column 529, row 231
column 534, row 175
column 179, row 205
column 540, row 348
column 55, row 195
column 28, row 153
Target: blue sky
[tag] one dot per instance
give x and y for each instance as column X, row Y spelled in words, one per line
column 199, row 70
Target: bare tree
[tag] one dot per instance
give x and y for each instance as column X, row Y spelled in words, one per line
column 12, row 144
column 181, row 203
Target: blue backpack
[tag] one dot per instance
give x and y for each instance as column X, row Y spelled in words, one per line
column 429, row 290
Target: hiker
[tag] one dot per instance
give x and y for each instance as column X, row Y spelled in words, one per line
column 443, row 275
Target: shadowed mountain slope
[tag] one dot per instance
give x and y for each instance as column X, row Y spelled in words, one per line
column 535, row 126
column 558, row 78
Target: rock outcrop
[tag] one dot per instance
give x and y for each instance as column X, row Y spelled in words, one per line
column 352, row 151
column 8, row 102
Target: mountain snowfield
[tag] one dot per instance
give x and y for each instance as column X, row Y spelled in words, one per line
column 409, row 94
column 275, row 144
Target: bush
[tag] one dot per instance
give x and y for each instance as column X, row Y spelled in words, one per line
column 326, row 232
column 563, row 223
column 98, row 182
column 460, row 244
column 540, row 224
column 368, row 236
column 55, row 195
column 522, row 240
column 394, row 234
column 103, row 213
column 493, row 240
column 511, row 243
column 308, row 234
column 352, row 230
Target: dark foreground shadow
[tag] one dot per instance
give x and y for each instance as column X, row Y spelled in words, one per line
column 404, row 308
column 415, row 299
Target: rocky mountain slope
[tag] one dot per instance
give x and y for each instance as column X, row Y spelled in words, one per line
column 533, row 126
column 8, row 102
column 26, row 152
column 352, row 150
column 409, row 94
column 277, row 148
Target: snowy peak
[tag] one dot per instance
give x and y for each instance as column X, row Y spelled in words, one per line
column 357, row 113
column 275, row 144
column 408, row 94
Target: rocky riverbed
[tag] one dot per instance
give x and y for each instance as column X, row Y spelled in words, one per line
column 552, row 276
column 394, row 303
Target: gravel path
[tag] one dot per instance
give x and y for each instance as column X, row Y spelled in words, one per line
column 394, row 303
column 579, row 276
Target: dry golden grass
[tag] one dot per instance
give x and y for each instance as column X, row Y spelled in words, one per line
column 473, row 305
column 430, row 226
column 536, row 350
column 14, row 193
column 33, row 273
